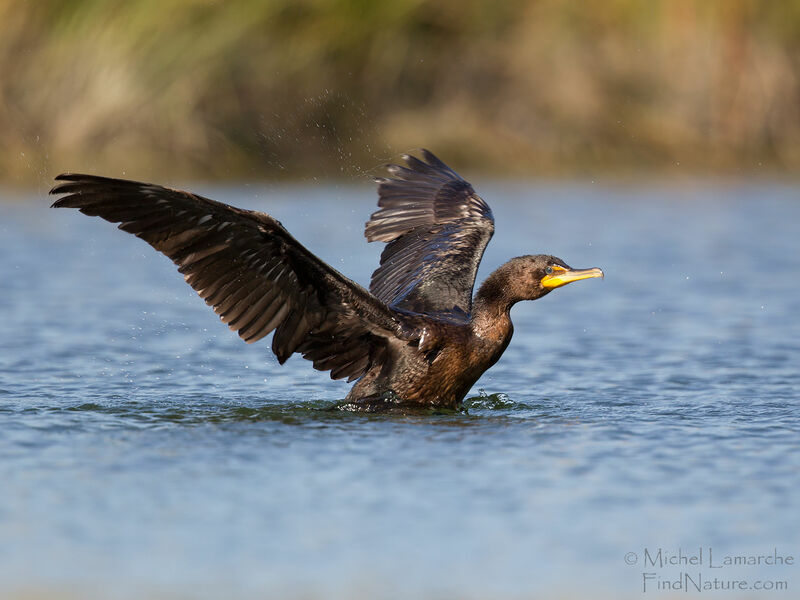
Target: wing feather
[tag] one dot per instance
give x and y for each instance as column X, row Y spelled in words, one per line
column 249, row 269
column 436, row 229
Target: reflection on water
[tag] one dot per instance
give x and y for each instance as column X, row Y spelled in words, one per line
column 146, row 450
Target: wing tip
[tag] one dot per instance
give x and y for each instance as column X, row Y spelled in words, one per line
column 429, row 158
column 426, row 166
column 70, row 176
column 59, row 188
column 73, row 184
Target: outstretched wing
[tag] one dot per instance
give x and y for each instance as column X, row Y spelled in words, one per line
column 246, row 266
column 436, row 228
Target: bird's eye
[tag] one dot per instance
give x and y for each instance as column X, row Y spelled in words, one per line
column 548, row 270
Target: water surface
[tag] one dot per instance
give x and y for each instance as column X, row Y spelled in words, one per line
column 145, row 451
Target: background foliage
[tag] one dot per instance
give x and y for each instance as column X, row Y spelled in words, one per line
column 256, row 89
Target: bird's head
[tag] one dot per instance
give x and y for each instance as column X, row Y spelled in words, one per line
column 540, row 274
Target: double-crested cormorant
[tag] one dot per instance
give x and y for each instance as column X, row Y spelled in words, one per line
column 415, row 339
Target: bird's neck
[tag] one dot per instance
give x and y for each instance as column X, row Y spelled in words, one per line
column 492, row 305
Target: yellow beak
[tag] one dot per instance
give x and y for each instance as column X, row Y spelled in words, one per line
column 559, row 278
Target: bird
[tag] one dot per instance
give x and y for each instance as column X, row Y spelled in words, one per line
column 416, row 339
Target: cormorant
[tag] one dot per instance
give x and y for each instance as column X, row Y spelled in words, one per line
column 415, row 339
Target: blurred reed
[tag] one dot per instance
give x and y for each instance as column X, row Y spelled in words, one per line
column 264, row 89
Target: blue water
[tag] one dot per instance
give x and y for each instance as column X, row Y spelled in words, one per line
column 145, row 451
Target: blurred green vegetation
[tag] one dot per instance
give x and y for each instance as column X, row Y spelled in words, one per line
column 261, row 89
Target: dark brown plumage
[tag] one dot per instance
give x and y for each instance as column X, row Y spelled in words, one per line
column 415, row 339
